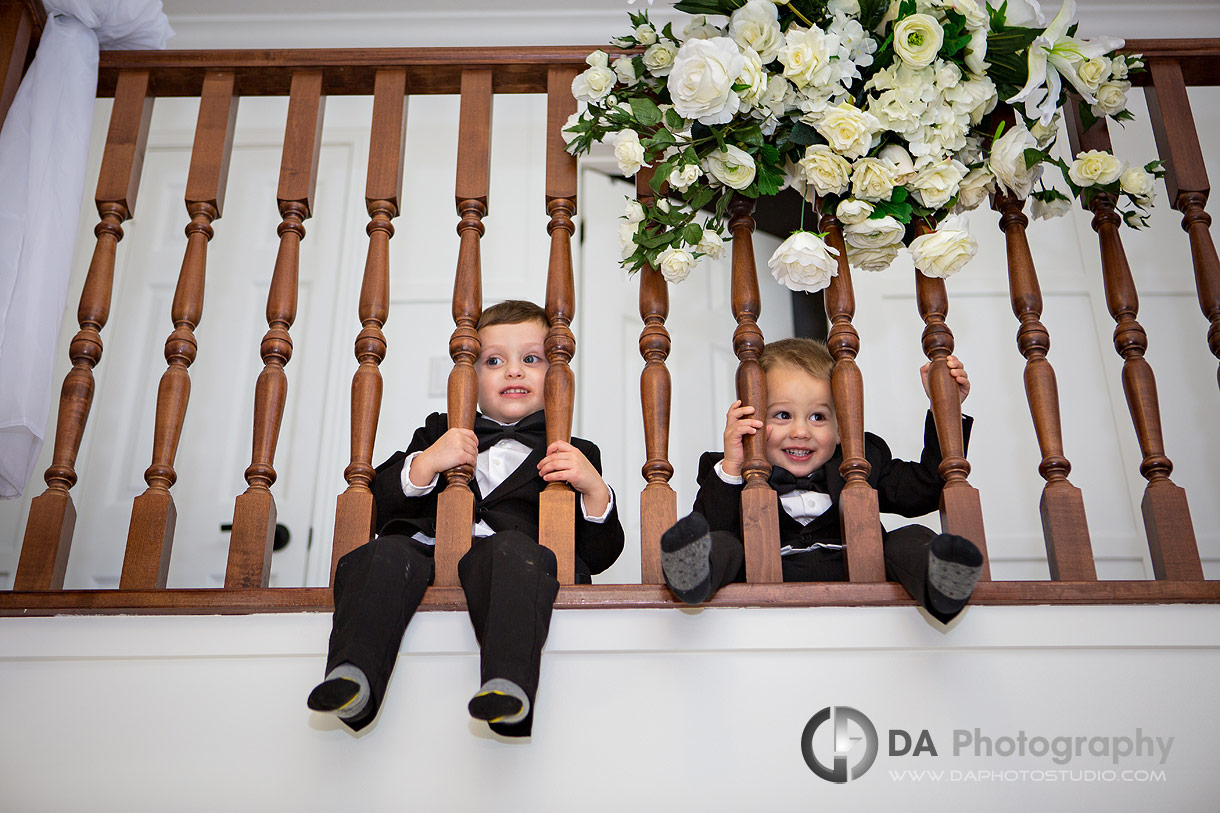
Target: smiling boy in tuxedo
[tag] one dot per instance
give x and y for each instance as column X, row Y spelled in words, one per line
column 508, row 578
column 703, row 551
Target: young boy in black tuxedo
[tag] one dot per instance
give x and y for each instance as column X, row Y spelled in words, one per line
column 703, row 551
column 508, row 578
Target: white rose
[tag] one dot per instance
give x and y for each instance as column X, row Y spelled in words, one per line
column 1044, row 134
column 976, row 52
column 849, row 8
column 826, row 170
column 1047, row 209
column 1093, row 72
column 754, row 77
column 624, row 69
column 626, row 240
column 756, row 25
column 1118, row 67
column 1095, row 167
column 633, row 212
column 711, row 244
column 732, row 166
column 597, row 59
column 873, row 259
column 1025, row 13
column 852, row 211
column 1007, row 161
column 945, row 251
column 935, row 184
column 594, row 84
column 701, row 82
column 904, row 167
column 659, row 58
column 675, row 264
column 645, row 34
column 682, row 178
column 629, row 152
column 872, row 179
column 917, row 38
column 804, row 263
column 572, row 121
column 1136, row 220
column 663, row 205
column 1136, row 182
column 1111, row 99
column 874, row 232
column 976, row 17
column 806, row 57
column 848, row 129
column 974, row 189
column 699, row 29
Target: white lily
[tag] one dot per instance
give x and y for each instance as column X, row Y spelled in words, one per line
column 1054, row 54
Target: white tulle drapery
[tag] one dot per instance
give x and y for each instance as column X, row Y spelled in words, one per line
column 43, row 149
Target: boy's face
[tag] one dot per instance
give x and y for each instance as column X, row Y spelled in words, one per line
column 511, row 370
column 802, row 432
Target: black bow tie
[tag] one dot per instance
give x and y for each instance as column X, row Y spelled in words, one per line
column 530, row 431
column 783, row 481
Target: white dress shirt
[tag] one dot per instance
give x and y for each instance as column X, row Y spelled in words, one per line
column 802, row 505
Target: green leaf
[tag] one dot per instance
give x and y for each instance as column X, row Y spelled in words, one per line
column 692, row 234
column 804, row 134
column 657, row 240
column 660, row 140
column 660, row 175
column 701, row 197
column 899, row 195
column 1033, row 157
column 750, row 134
column 646, row 111
column 673, row 120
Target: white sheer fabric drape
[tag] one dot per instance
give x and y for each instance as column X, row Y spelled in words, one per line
column 43, row 150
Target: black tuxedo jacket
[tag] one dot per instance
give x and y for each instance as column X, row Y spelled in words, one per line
column 513, row 505
column 903, row 487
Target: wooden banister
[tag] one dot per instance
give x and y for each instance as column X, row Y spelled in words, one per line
column 1068, row 550
column 1171, row 534
column 151, row 534
column 18, row 27
column 759, row 505
column 48, row 534
column 254, row 513
column 1177, row 141
column 658, row 500
column 557, row 504
column 455, row 506
column 961, row 512
column 355, row 513
column 859, row 515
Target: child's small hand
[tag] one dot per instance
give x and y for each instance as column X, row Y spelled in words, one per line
column 452, row 449
column 957, row 370
column 564, row 462
column 737, row 426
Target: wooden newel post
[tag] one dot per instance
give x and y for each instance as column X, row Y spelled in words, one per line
column 150, row 537
column 1177, row 141
column 858, row 512
column 1068, row 551
column 254, row 513
column 557, row 508
column 658, row 500
column 48, row 534
column 355, row 513
column 759, row 505
column 455, row 505
column 1171, row 535
column 961, row 512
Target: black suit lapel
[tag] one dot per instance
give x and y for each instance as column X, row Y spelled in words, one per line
column 521, row 476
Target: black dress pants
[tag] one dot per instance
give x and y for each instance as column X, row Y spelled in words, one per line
column 510, row 585
column 906, row 562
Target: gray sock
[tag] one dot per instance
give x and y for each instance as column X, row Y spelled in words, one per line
column 352, row 672
column 954, row 567
column 688, row 567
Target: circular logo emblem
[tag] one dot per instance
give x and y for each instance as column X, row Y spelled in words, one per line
column 853, row 746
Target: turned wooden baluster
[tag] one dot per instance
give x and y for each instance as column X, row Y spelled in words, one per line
column 455, row 505
column 557, row 508
column 254, row 514
column 1068, row 552
column 858, row 512
column 1171, row 535
column 960, row 510
column 759, row 506
column 151, row 535
column 48, row 534
column 355, row 512
column 17, row 28
column 658, row 500
column 1177, row 141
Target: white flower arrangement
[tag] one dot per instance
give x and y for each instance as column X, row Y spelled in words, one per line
column 879, row 111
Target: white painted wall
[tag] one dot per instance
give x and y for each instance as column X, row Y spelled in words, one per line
column 638, row 710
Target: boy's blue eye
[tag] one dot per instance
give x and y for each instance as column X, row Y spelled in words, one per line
column 532, row 359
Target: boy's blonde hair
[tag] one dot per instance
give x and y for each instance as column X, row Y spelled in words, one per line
column 512, row 312
column 804, row 354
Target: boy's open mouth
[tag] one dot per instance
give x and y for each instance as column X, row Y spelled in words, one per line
column 515, row 391
column 798, row 454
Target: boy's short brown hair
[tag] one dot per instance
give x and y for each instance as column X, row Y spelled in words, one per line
column 804, row 354
column 512, row 312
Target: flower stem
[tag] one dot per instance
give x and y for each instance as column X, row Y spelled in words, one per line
column 800, row 16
